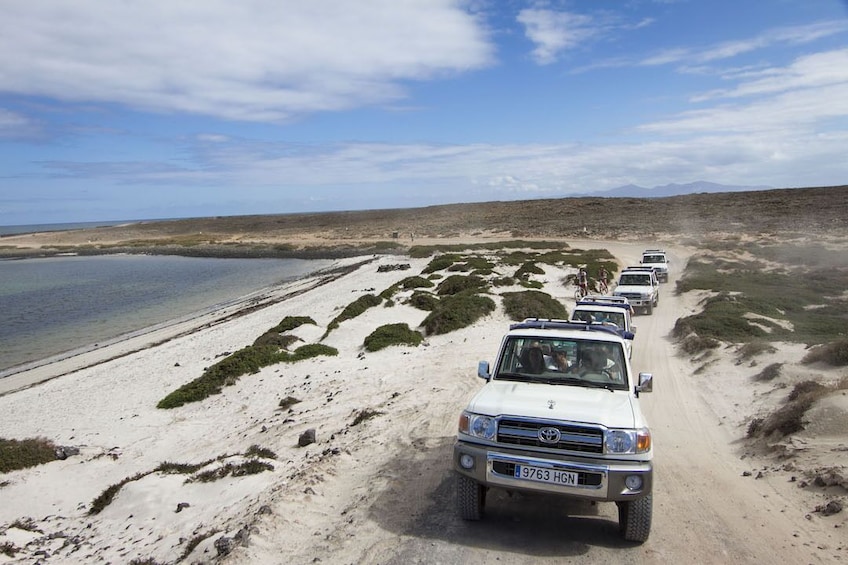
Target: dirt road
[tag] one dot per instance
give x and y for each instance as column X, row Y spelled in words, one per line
column 705, row 510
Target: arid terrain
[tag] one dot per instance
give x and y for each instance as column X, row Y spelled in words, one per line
column 788, row 213
column 380, row 490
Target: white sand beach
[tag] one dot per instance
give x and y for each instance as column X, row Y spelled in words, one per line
column 377, row 490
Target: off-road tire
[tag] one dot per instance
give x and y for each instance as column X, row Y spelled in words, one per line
column 634, row 518
column 649, row 309
column 470, row 498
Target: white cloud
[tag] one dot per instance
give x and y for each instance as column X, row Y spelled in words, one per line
column 555, row 32
column 247, row 60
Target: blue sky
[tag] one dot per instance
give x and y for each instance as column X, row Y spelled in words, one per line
column 162, row 109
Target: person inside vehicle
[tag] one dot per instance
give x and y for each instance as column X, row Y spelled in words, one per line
column 560, row 361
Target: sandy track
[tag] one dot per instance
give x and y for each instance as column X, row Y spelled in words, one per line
column 402, row 510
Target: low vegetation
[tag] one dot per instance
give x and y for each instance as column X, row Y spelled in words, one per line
column 789, row 418
column 457, row 311
column 455, row 284
column 352, row 310
column 791, row 302
column 769, row 373
column 392, row 334
column 244, row 361
column 251, row 465
column 21, row 454
column 834, row 353
column 532, row 304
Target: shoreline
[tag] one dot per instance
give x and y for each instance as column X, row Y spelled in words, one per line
column 33, row 373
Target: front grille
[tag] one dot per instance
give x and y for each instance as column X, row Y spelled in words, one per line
column 631, row 296
column 584, row 479
column 573, row 437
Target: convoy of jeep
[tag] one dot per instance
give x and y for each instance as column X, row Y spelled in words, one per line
column 559, row 414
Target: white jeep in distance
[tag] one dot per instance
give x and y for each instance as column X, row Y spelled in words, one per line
column 658, row 260
column 559, row 414
column 613, row 311
column 640, row 286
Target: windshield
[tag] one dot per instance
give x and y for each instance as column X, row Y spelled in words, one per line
column 574, row 362
column 630, row 279
column 600, row 317
column 653, row 259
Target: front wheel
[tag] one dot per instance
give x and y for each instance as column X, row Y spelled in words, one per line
column 634, row 518
column 470, row 498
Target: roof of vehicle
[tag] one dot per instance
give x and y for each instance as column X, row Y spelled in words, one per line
column 639, row 268
column 601, row 332
column 653, row 251
column 611, row 301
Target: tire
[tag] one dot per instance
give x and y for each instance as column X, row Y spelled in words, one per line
column 649, row 309
column 634, row 518
column 470, row 498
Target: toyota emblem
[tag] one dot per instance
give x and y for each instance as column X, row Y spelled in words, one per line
column 549, row 435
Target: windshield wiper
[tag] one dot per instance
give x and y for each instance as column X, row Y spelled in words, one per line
column 581, row 382
column 514, row 377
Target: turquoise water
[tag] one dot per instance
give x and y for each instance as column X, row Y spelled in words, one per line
column 52, row 305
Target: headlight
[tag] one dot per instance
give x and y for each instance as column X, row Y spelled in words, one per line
column 627, row 441
column 475, row 425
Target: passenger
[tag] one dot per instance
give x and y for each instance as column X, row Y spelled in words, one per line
column 560, row 361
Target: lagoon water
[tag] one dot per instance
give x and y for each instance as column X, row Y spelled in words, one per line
column 52, row 305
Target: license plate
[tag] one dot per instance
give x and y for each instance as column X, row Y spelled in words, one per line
column 543, row 475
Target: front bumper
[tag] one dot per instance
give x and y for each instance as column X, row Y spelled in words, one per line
column 599, row 479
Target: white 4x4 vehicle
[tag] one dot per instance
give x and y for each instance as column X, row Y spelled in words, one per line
column 640, row 286
column 657, row 259
column 575, row 430
column 613, row 311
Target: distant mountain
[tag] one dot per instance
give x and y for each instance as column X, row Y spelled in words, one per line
column 634, row 191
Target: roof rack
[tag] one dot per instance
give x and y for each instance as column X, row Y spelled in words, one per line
column 649, row 251
column 611, row 301
column 639, row 268
column 543, row 324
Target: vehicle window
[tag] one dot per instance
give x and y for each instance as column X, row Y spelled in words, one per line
column 568, row 362
column 653, row 259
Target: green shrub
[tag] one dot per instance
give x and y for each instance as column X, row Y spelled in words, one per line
column 440, row 263
column 291, row 322
column 834, row 354
column 364, row 415
column 455, row 284
column 257, row 451
column 769, row 373
column 107, row 496
column 274, row 339
column 249, row 467
column 288, row 402
column 692, row 344
column 754, row 348
column 392, row 334
column 533, row 304
column 527, row 269
column 423, row 301
column 503, row 281
column 227, row 371
column 354, row 309
column 21, row 454
column 457, row 311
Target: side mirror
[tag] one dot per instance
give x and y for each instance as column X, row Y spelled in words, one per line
column 646, row 382
column 633, row 329
column 483, row 370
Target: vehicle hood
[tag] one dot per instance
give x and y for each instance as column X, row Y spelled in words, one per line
column 658, row 266
column 639, row 289
column 613, row 409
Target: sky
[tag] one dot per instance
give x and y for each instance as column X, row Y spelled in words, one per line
column 144, row 109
